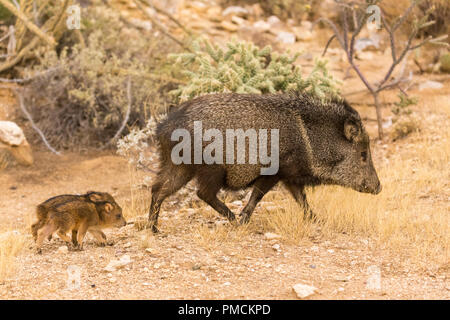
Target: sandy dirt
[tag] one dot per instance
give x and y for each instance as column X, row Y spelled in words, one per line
column 180, row 262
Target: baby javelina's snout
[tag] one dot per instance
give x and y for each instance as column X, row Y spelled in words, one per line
column 77, row 214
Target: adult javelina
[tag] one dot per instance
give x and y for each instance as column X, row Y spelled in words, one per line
column 319, row 143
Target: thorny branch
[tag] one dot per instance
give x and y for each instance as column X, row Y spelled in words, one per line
column 348, row 47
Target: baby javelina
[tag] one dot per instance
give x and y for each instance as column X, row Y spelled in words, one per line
column 91, row 212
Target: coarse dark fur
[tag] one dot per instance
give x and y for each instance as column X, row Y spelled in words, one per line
column 319, row 143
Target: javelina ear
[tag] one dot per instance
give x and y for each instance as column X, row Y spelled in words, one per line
column 352, row 129
column 108, row 207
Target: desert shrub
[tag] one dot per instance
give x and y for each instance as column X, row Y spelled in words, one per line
column 6, row 17
column 439, row 12
column 242, row 67
column 81, row 96
column 404, row 121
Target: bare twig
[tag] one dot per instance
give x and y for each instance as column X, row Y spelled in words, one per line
column 167, row 14
column 159, row 25
column 28, row 115
column 127, row 115
column 397, row 57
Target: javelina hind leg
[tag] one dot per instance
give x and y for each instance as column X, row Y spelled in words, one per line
column 261, row 186
column 298, row 192
column 169, row 180
column 43, row 233
column 209, row 184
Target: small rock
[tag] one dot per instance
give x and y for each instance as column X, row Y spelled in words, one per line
column 364, row 55
column 303, row 291
column 276, row 247
column 146, row 25
column 271, row 236
column 63, row 250
column 237, row 203
column 302, row 34
column 430, row 85
column 237, row 20
column 261, row 26
column 127, row 245
column 226, row 25
column 235, row 10
column 227, row 283
column 113, row 265
column 112, row 280
column 274, row 21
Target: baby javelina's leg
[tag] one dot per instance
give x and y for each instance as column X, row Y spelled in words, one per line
column 43, row 233
column 81, row 233
column 101, row 238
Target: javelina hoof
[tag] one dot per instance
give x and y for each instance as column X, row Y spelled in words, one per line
column 154, row 229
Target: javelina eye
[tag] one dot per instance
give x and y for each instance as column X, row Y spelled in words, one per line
column 118, row 216
column 364, row 156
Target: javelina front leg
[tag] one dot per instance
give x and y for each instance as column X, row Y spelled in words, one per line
column 298, row 192
column 261, row 186
column 99, row 236
column 170, row 180
column 209, row 183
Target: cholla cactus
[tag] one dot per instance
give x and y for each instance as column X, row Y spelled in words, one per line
column 244, row 68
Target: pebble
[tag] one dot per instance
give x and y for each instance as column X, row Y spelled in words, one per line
column 303, row 291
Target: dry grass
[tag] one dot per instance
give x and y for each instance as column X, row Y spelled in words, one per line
column 3, row 160
column 11, row 243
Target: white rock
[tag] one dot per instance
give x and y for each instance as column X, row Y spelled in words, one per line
column 227, row 283
column 63, row 250
column 273, row 21
column 271, row 236
column 262, row 26
column 238, row 20
column 11, row 134
column 146, row 25
column 364, row 55
column 430, row 85
column 237, row 203
column 276, row 247
column 235, row 10
column 303, row 291
column 286, row 37
column 113, row 265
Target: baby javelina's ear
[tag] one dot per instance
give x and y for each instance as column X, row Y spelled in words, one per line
column 95, row 196
column 352, row 129
column 109, row 207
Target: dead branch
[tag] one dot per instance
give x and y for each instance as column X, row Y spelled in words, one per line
column 348, row 46
column 30, row 25
column 160, row 26
column 127, row 115
column 167, row 14
column 28, row 115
